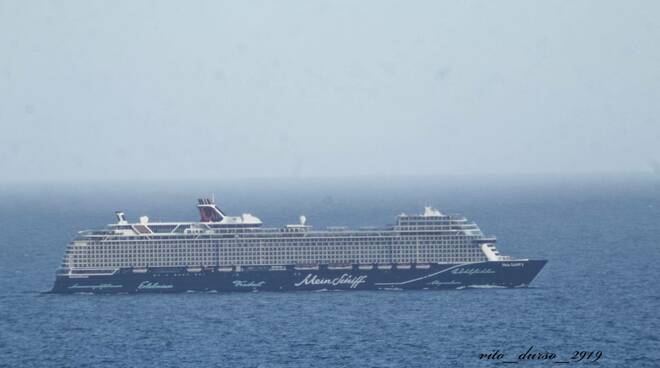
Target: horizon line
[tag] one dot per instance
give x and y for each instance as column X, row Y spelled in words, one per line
column 345, row 178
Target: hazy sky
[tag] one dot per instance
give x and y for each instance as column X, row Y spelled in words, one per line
column 207, row 89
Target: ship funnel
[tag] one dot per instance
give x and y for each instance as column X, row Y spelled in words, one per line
column 121, row 218
column 303, row 219
column 208, row 211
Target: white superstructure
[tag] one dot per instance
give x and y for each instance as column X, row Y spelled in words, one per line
column 218, row 240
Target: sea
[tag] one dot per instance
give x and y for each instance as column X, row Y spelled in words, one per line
column 598, row 296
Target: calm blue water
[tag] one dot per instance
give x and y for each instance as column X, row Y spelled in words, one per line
column 599, row 290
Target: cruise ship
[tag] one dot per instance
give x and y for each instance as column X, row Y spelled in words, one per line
column 221, row 253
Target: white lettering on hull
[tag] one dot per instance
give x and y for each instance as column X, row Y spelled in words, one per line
column 345, row 279
column 514, row 264
column 471, row 271
column 248, row 284
column 153, row 285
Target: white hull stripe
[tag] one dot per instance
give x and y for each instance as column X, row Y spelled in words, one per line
column 427, row 276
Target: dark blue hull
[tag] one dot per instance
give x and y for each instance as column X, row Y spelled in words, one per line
column 264, row 278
